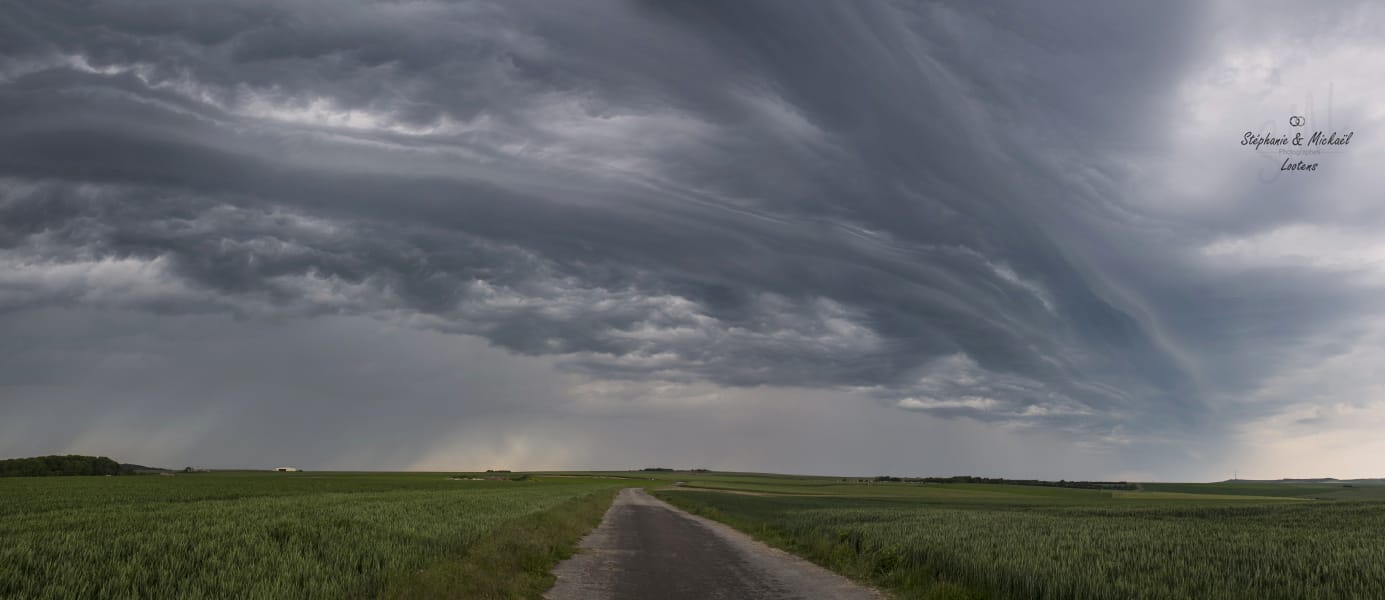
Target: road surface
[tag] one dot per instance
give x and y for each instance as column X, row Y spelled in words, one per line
column 646, row 549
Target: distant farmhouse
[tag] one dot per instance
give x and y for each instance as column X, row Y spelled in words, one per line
column 286, row 469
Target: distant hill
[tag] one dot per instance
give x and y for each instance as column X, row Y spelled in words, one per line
column 71, row 464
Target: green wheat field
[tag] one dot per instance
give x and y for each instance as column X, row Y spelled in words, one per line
column 360, row 535
column 931, row 540
column 252, row 535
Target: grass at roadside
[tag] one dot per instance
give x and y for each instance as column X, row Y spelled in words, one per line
column 838, row 551
column 513, row 560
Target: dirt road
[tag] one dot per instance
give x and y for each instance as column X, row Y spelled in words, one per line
column 646, row 549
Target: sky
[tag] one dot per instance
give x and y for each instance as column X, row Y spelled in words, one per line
column 1005, row 238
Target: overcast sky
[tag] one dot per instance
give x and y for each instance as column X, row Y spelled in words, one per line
column 996, row 238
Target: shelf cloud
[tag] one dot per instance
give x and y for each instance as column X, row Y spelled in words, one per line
column 310, row 221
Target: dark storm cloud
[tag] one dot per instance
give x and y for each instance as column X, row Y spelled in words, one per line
column 919, row 201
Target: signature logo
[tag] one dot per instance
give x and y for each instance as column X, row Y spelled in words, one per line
column 1304, row 145
column 1299, row 148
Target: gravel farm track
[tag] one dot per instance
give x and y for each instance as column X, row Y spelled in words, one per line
column 645, row 548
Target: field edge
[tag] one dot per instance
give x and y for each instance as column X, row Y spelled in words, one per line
column 514, row 560
column 835, row 555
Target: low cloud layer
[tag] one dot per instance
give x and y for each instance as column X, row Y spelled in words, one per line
column 1034, row 223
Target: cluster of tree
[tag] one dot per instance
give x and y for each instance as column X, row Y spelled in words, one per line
column 72, row 464
column 1090, row 485
column 668, row 470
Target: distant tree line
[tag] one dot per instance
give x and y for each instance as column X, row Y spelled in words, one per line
column 72, row 464
column 1090, row 485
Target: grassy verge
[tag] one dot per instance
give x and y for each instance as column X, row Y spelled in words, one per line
column 512, row 561
column 842, row 554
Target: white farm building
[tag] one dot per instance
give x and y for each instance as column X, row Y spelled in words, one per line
column 286, row 469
